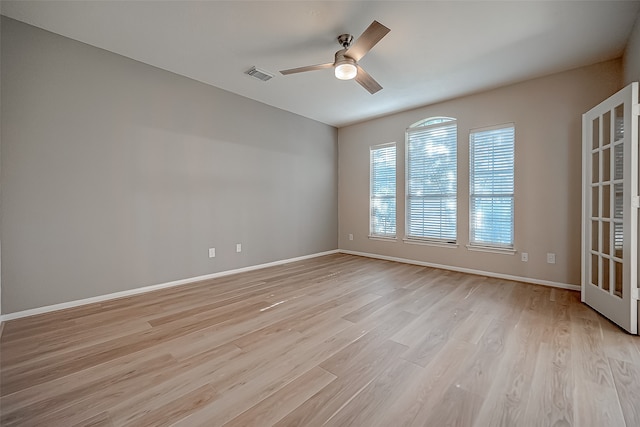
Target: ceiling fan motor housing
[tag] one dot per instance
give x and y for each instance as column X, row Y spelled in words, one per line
column 341, row 58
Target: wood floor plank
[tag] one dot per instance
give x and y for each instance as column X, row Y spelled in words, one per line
column 47, row 370
column 275, row 407
column 423, row 350
column 334, row 340
column 303, row 320
column 365, row 407
column 19, row 409
column 423, row 391
column 316, row 324
column 249, row 382
column 618, row 344
column 321, row 406
column 164, row 412
column 479, row 373
column 355, row 353
column 428, row 294
column 551, row 399
column 458, row 407
column 599, row 403
column 474, row 327
column 432, row 312
column 101, row 420
column 58, row 346
column 591, row 362
column 627, row 379
column 373, row 306
column 140, row 397
column 507, row 398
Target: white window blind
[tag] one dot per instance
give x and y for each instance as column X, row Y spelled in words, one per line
column 431, row 180
column 491, row 176
column 383, row 191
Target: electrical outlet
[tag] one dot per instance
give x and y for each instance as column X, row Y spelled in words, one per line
column 238, row 247
column 350, row 236
column 212, row 252
column 551, row 258
column 524, row 257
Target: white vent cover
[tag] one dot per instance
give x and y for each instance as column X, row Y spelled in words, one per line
column 259, row 74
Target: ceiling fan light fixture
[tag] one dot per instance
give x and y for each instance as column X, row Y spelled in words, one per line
column 345, row 66
column 346, row 71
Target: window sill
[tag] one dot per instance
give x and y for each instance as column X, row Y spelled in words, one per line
column 430, row 243
column 383, row 239
column 492, row 249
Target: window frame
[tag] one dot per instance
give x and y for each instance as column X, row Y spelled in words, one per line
column 491, row 246
column 421, row 125
column 372, row 234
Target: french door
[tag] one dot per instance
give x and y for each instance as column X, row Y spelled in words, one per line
column 610, row 208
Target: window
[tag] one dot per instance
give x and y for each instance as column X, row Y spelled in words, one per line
column 383, row 191
column 431, row 180
column 491, row 174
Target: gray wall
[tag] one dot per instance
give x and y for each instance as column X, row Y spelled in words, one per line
column 0, row 169
column 632, row 55
column 117, row 175
column 631, row 62
column 548, row 174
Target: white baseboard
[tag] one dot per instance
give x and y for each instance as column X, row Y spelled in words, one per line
column 130, row 292
column 467, row 270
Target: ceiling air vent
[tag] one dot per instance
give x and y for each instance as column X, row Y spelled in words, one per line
column 259, row 74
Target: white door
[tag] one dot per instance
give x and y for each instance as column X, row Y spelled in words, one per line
column 610, row 208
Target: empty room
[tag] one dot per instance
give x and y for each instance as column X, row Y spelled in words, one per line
column 319, row 213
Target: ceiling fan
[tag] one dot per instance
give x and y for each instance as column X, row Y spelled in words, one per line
column 346, row 59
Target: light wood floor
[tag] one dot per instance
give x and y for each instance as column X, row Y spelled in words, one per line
column 337, row 340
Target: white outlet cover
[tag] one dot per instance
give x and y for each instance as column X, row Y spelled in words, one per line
column 212, row 252
column 238, row 247
column 551, row 258
column 524, row 257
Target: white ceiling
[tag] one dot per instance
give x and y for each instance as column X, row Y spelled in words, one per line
column 435, row 50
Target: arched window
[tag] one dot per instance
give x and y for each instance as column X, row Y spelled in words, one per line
column 432, row 180
column 431, row 121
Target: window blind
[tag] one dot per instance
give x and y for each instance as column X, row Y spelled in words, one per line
column 492, row 187
column 383, row 191
column 431, row 182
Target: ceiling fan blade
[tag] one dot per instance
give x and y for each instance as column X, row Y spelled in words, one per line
column 307, row 68
column 366, row 81
column 371, row 36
